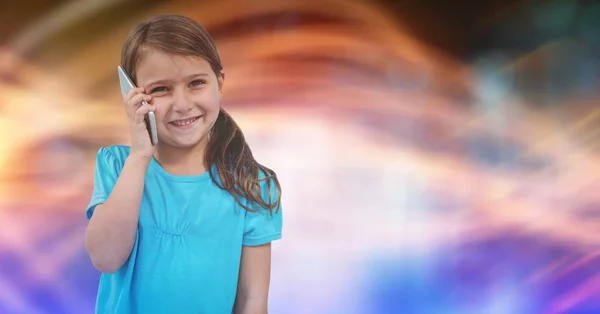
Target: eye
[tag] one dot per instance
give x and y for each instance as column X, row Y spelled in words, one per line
column 159, row 89
column 197, row 83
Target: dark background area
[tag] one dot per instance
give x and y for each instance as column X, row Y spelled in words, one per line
column 467, row 28
column 452, row 26
column 462, row 28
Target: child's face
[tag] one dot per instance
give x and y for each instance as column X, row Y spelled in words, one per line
column 186, row 93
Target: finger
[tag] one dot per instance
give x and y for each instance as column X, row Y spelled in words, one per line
column 141, row 112
column 133, row 92
column 136, row 101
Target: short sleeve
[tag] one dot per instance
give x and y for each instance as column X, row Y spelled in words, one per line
column 262, row 227
column 105, row 176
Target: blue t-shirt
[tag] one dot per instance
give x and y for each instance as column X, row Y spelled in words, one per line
column 187, row 251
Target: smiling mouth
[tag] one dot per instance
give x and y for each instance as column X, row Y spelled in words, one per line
column 185, row 122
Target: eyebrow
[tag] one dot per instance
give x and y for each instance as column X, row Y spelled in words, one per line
column 166, row 81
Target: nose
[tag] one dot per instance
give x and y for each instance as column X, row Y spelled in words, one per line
column 181, row 101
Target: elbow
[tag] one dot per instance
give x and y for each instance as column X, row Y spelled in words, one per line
column 102, row 261
column 106, row 266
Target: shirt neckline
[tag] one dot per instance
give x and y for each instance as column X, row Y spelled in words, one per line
column 154, row 165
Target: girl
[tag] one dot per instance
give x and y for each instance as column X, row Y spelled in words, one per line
column 184, row 226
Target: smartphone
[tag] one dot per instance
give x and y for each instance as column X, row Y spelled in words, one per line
column 127, row 85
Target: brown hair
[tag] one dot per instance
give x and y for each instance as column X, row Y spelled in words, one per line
column 238, row 172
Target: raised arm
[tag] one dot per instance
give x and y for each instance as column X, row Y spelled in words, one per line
column 112, row 228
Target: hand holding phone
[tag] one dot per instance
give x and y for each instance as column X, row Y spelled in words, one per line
column 140, row 111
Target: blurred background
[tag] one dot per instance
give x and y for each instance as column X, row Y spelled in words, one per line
column 435, row 157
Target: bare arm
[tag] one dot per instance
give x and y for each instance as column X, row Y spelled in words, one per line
column 111, row 232
column 253, row 286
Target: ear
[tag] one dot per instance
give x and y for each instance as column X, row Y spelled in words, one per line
column 220, row 81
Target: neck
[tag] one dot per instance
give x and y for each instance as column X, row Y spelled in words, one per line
column 187, row 161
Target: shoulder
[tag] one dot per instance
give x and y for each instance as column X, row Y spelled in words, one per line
column 266, row 174
column 269, row 186
column 114, row 155
column 267, row 177
column 115, row 151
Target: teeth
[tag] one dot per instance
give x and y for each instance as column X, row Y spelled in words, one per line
column 184, row 122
